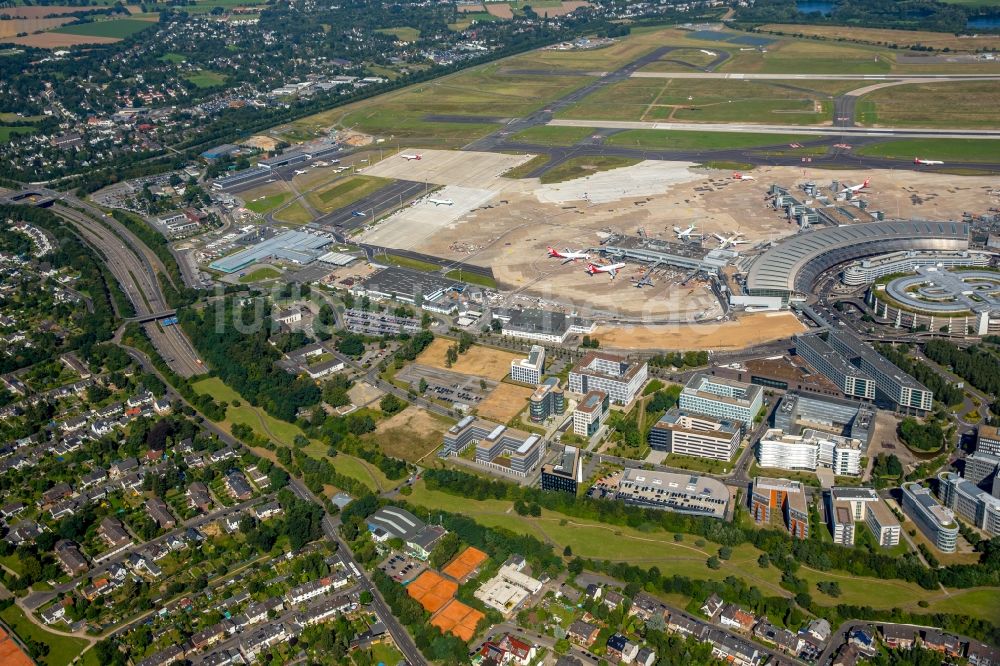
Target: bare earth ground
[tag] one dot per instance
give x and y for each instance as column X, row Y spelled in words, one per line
column 504, row 403
column 29, row 25
column 55, row 40
column 363, row 393
column 477, row 361
column 743, row 332
column 500, row 10
column 411, row 434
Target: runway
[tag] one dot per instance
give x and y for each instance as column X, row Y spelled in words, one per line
column 388, row 199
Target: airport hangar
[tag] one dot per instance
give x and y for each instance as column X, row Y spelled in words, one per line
column 791, row 267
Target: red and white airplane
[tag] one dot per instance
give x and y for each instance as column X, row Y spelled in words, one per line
column 567, row 255
column 917, row 160
column 613, row 269
column 415, row 156
column 742, row 176
column 857, row 188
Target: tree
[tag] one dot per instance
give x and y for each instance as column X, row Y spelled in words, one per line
column 713, row 562
column 763, row 561
column 390, row 404
column 567, row 551
column 365, row 597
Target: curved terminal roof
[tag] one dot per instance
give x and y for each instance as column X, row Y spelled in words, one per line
column 794, row 263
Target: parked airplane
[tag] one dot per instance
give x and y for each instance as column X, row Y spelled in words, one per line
column 732, row 240
column 684, row 233
column 858, row 188
column 414, row 156
column 917, row 160
column 645, row 281
column 711, row 53
column 299, row 172
column 357, row 213
column 742, row 176
column 441, row 202
column 613, row 269
column 567, row 255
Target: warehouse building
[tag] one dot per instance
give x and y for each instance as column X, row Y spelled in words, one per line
column 689, row 434
column 616, row 376
column 725, row 399
column 409, row 286
column 935, row 521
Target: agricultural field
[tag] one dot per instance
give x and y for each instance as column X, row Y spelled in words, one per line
column 578, row 167
column 969, row 104
column 344, row 192
column 115, row 28
column 947, row 150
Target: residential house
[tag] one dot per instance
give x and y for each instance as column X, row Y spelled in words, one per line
column 619, row 648
column 24, row 532
column 782, row 638
column 11, row 510
column 685, row 626
column 198, row 497
column 211, row 635
column 54, row 613
column 123, row 467
column 93, row 478
column 712, row 606
column 237, row 486
column 980, row 654
column 583, row 633
column 268, row 510
column 309, row 590
column 645, row 606
column 594, row 591
column 819, row 629
column 323, row 611
column 941, row 642
column 160, row 514
column 70, row 558
column 612, row 599
column 847, row 655
column 263, row 638
column 57, row 492
column 898, row 637
column 864, row 640
column 734, row 650
column 736, row 618
column 113, row 532
column 645, row 657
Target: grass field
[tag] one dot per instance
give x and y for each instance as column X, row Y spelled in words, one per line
column 901, row 38
column 403, row 34
column 62, row 649
column 972, row 104
column 553, row 135
column 578, row 167
column 522, row 170
column 345, row 191
column 295, row 213
column 259, row 275
column 6, row 132
column 206, row 78
column 472, row 278
column 268, row 203
column 680, row 140
column 958, row 150
column 811, row 57
column 173, row 58
column 411, row 435
column 116, row 28
column 407, row 262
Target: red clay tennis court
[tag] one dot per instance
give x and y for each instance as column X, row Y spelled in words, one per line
column 431, row 590
column 11, row 653
column 459, row 619
column 465, row 563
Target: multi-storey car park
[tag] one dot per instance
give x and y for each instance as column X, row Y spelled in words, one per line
column 935, row 521
column 867, row 271
column 680, row 493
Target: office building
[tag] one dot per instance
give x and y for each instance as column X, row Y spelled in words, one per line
column 695, row 435
column 935, row 521
column 981, row 469
column 497, row 446
column 722, row 398
column 616, row 376
column 547, row 400
column 680, row 493
column 988, row 440
column 893, row 385
column 541, row 325
column 883, row 523
column 810, row 451
column 970, row 502
column 851, row 380
column 841, row 523
column 567, row 472
column 529, row 370
column 787, row 497
column 590, row 413
column 839, row 416
column 856, row 499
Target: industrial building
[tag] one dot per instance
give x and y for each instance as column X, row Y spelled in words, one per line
column 566, row 474
column 970, row 501
column 409, row 286
column 688, row 434
column 680, row 493
column 620, row 378
column 852, row 381
column 810, row 451
column 529, row 370
column 722, row 398
column 297, row 247
column 867, row 271
column 935, row 521
column 788, row 497
column 966, row 302
column 590, row 413
column 791, row 266
column 838, row 416
column 541, row 325
column 547, row 400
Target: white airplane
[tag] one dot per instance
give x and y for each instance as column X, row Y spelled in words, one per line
column 441, row 202
column 299, row 172
column 732, row 240
column 340, row 169
column 857, row 188
column 917, row 160
column 742, row 176
column 567, row 255
column 684, row 233
column 415, row 156
column 613, row 269
column 711, row 53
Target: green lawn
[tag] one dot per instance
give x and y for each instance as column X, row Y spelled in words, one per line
column 472, row 278
column 947, row 150
column 407, row 262
column 268, row 203
column 403, row 34
column 62, row 649
column 173, row 58
column 295, row 213
column 522, row 170
column 117, row 28
column 681, row 140
column 259, row 275
column 6, row 132
column 206, row 78
column 345, row 191
column 553, row 135
column 578, row 167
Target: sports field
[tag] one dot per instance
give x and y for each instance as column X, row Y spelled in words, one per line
column 477, row 361
column 464, row 563
column 432, row 590
column 458, row 619
column 205, row 78
column 403, row 34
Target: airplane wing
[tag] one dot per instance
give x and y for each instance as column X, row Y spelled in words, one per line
column 566, row 261
column 613, row 272
column 719, row 237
